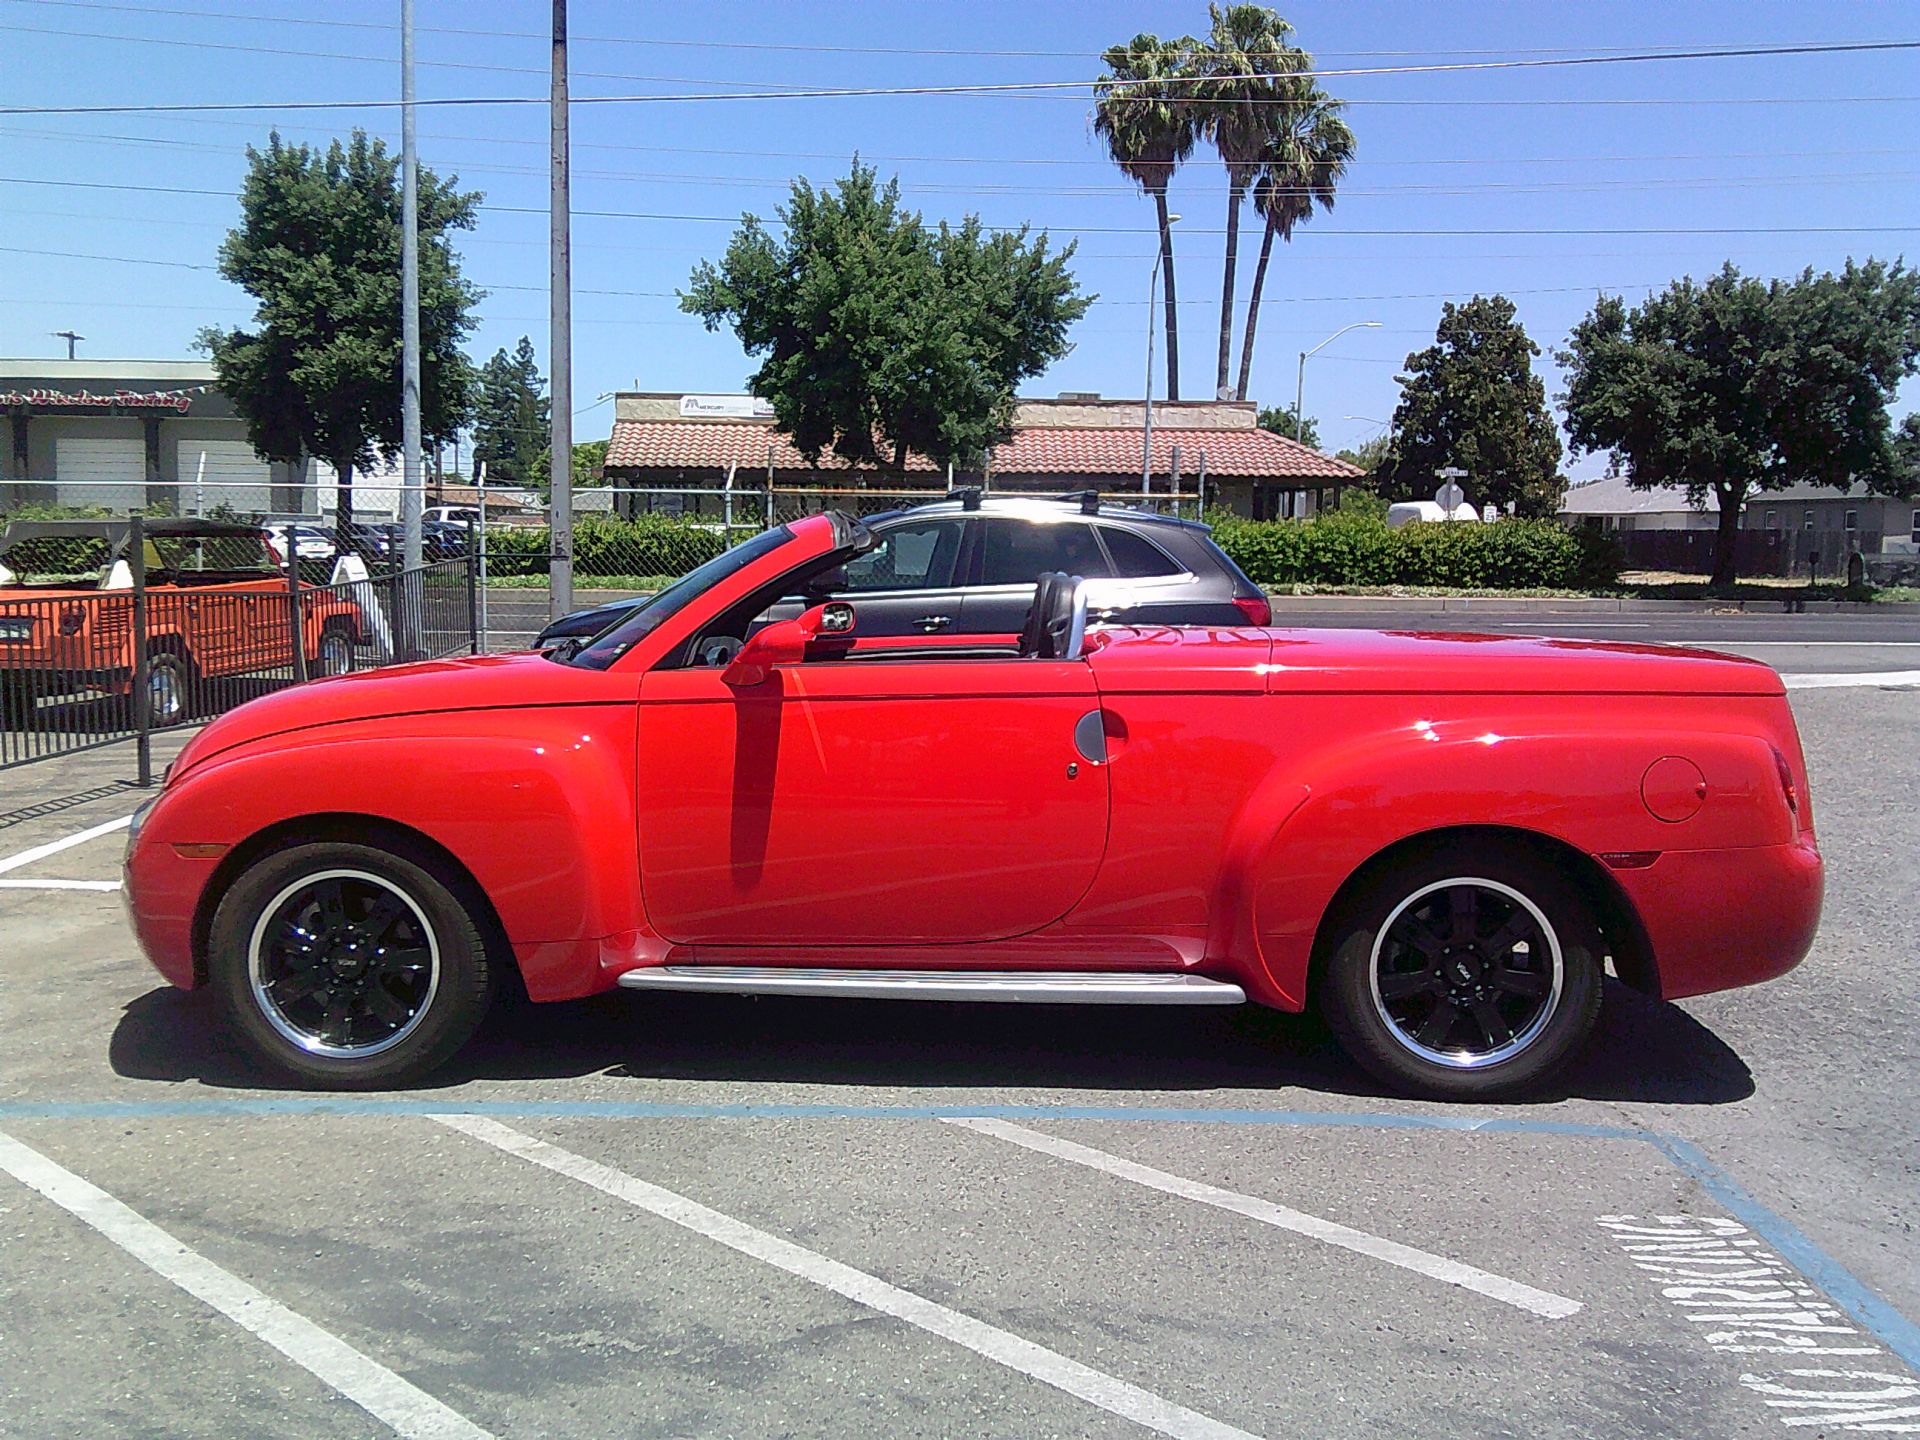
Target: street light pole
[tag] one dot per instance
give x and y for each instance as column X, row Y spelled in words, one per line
column 1146, row 437
column 1300, row 385
column 411, row 497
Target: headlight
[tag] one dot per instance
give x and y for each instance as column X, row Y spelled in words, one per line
column 139, row 819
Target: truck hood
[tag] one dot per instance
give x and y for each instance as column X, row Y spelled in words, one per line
column 467, row 682
column 1454, row 663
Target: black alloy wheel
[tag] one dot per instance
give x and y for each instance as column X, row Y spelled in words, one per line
column 1463, row 975
column 350, row 966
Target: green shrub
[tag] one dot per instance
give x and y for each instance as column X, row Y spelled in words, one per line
column 604, row 545
column 1352, row 547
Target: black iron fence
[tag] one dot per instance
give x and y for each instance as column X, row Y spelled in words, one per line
column 128, row 653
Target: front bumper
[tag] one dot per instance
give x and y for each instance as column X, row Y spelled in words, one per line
column 161, row 890
column 1719, row 919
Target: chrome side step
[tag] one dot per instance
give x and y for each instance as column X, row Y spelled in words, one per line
column 1042, row 987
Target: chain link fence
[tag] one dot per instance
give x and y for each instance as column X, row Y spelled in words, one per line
column 113, row 629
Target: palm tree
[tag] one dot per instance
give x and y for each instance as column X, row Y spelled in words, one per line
column 1150, row 127
column 1246, row 49
column 1309, row 152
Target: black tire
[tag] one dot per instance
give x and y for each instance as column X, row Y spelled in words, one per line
column 170, row 684
column 297, row 985
column 1511, row 949
column 334, row 653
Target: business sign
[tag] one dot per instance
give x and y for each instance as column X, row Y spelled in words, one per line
column 724, row 407
column 179, row 401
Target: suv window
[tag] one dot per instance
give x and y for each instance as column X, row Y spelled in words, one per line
column 911, row 557
column 1135, row 556
column 1019, row 552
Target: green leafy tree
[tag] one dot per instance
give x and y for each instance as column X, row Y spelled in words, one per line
column 879, row 334
column 1307, row 151
column 1145, row 114
column 318, row 246
column 589, row 465
column 1279, row 419
column 1740, row 386
column 1471, row 400
column 513, row 425
column 1370, row 455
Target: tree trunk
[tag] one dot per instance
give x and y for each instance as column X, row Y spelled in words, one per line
column 1173, row 311
column 1253, row 314
column 343, row 511
column 1725, row 557
column 1234, row 192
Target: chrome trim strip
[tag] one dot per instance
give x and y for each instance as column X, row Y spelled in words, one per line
column 1043, row 987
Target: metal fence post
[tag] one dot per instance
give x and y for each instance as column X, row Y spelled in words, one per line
column 1200, row 487
column 296, row 618
column 142, row 701
column 486, row 640
column 473, row 596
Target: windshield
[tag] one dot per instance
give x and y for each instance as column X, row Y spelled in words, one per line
column 607, row 647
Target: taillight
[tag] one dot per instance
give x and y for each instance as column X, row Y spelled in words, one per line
column 1255, row 608
column 1787, row 787
column 72, row 618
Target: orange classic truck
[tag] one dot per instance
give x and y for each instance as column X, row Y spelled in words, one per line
column 217, row 608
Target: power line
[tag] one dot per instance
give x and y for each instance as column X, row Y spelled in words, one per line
column 389, row 27
column 1035, row 87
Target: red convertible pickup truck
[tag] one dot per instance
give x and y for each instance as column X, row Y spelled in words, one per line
column 1441, row 840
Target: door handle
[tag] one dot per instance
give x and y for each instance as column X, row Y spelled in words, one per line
column 931, row 623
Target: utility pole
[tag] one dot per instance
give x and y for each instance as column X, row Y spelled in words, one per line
column 560, row 517
column 411, row 486
column 71, row 339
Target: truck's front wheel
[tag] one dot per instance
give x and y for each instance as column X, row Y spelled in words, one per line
column 349, row 967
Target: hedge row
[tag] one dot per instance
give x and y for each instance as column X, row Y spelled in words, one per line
column 603, row 545
column 1348, row 549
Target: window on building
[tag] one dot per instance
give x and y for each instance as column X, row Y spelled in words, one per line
column 1853, row 520
column 1809, row 518
column 1773, row 519
column 1916, row 527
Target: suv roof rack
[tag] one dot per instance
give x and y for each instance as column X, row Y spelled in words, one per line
column 1088, row 500
column 969, row 496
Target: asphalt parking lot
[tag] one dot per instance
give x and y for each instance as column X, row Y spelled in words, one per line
column 683, row 1215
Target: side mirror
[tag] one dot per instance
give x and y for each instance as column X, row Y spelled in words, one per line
column 785, row 642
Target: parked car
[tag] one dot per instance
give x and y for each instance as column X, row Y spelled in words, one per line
column 313, row 543
column 1441, row 840
column 461, row 515
column 216, row 606
column 965, row 566
column 383, row 544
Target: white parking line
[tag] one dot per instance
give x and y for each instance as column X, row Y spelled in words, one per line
column 54, row 847
column 1453, row 1272
column 407, row 1410
column 107, row 885
column 1097, row 1388
column 1868, row 677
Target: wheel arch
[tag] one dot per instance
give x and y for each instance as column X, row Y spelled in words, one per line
column 1620, row 923
column 354, row 829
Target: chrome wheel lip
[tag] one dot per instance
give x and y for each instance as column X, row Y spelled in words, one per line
column 1469, row 1060
column 336, row 653
column 313, row 1044
column 164, row 700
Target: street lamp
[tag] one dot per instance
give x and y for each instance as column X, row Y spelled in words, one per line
column 1146, row 437
column 1300, row 386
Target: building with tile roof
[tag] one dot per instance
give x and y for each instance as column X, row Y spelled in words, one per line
column 692, row 443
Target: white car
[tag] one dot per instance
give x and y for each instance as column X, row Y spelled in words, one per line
column 452, row 514
column 311, row 542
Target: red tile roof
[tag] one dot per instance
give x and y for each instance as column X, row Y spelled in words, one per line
column 1033, row 450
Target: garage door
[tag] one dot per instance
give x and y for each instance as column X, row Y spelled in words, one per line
column 96, row 471
column 223, row 472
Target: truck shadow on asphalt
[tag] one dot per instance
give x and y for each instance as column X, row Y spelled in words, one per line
column 1643, row 1051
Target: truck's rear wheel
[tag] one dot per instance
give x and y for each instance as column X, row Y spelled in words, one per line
column 1464, row 975
column 169, row 688
column 349, row 967
column 334, row 655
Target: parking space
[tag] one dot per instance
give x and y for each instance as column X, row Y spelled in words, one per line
column 683, row 1215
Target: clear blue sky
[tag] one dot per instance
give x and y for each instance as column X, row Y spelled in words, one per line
column 1592, row 152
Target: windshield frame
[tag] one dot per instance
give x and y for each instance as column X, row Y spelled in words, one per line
column 607, row 648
